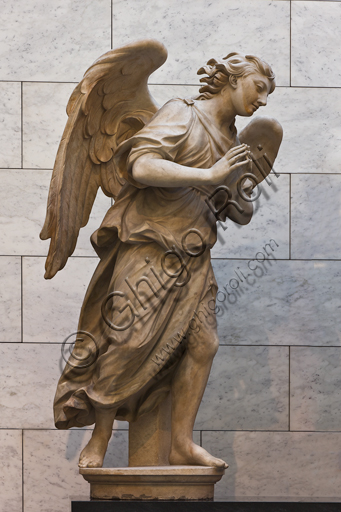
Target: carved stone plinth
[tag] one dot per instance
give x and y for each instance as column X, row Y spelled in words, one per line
column 153, row 482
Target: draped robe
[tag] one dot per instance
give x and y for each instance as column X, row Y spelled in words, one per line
column 142, row 301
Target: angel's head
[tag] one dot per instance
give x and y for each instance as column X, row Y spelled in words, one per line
column 245, row 79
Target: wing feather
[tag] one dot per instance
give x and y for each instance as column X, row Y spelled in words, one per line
column 110, row 104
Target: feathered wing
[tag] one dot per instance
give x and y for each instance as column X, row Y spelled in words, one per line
column 109, row 105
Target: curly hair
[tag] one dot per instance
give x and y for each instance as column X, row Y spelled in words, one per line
column 234, row 64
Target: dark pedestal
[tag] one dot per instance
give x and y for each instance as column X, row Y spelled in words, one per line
column 196, row 506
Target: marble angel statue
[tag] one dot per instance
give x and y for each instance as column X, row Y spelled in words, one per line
column 160, row 165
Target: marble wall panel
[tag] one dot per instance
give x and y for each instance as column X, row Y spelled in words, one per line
column 247, row 390
column 316, row 44
column 310, row 119
column 10, row 125
column 53, row 41
column 28, row 378
column 270, row 219
column 10, row 299
column 50, row 467
column 44, row 119
column 285, row 464
column 23, row 200
column 315, row 383
column 316, row 217
column 198, row 30
column 197, row 437
column 11, row 471
column 51, row 307
column 311, row 128
column 163, row 93
column 287, row 303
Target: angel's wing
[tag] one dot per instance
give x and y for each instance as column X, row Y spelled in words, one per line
column 109, row 105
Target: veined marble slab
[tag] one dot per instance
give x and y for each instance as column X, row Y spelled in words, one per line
column 51, row 307
column 270, row 219
column 10, row 298
column 23, row 197
column 281, row 303
column 247, row 390
column 53, row 41
column 44, row 120
column 277, row 463
column 28, row 379
column 163, row 93
column 23, row 200
column 197, row 30
column 315, row 32
column 311, row 128
column 11, row 471
column 10, row 125
column 316, row 217
column 51, row 471
column 315, row 385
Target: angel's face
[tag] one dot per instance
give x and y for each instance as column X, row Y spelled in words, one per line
column 248, row 93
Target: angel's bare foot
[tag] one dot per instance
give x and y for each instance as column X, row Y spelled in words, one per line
column 93, row 454
column 192, row 454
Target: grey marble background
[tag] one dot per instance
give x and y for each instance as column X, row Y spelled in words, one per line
column 272, row 407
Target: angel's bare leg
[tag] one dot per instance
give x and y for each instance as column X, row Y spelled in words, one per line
column 188, row 387
column 93, row 454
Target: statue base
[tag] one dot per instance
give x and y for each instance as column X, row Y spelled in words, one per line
column 152, row 482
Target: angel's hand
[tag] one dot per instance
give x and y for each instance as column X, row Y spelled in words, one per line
column 234, row 158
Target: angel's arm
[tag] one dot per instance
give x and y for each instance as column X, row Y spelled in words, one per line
column 153, row 170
